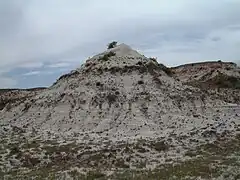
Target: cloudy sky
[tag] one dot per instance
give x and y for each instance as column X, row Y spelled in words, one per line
column 43, row 39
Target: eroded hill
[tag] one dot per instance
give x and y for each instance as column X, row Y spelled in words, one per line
column 16, row 96
column 221, row 79
column 123, row 115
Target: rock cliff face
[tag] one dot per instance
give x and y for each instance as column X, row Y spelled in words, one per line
column 221, row 79
column 16, row 96
column 122, row 110
column 210, row 74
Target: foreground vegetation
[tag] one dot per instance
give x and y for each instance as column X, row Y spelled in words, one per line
column 24, row 159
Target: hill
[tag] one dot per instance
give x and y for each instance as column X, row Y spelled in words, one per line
column 222, row 79
column 122, row 114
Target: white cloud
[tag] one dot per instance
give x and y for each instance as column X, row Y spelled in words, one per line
column 59, row 65
column 31, row 65
column 32, row 73
column 48, row 72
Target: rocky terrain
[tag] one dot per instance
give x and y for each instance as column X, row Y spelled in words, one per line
column 221, row 78
column 16, row 96
column 122, row 115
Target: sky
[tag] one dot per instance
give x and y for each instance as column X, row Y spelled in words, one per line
column 41, row 40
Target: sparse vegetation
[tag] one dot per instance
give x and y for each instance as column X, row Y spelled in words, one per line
column 157, row 81
column 106, row 56
column 94, row 175
column 213, row 160
column 14, row 150
column 140, row 82
column 153, row 59
column 99, row 84
column 224, row 81
column 112, row 45
column 111, row 53
column 160, row 146
column 219, row 81
column 111, row 98
column 167, row 70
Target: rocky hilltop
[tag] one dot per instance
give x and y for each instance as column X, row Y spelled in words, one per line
column 122, row 114
column 210, row 74
column 16, row 96
column 221, row 79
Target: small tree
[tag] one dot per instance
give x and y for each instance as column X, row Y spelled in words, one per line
column 112, row 45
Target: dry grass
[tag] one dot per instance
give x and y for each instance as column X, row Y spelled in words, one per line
column 207, row 161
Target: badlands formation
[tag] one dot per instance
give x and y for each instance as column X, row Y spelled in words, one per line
column 122, row 115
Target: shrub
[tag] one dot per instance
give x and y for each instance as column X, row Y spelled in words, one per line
column 98, row 84
column 29, row 161
column 94, row 175
column 120, row 163
column 106, row 56
column 87, row 64
column 153, row 59
column 69, row 75
column 224, row 81
column 14, row 150
column 157, row 81
column 26, row 107
column 117, row 93
column 112, row 45
column 160, row 146
column 168, row 71
column 111, row 98
column 99, row 70
column 140, row 82
column 111, row 54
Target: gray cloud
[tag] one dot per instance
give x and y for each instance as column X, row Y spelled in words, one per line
column 11, row 18
column 52, row 31
column 7, row 82
column 31, row 65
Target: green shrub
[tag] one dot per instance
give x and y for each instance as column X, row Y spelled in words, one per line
column 111, row 98
column 224, row 81
column 160, row 146
column 112, row 45
column 111, row 54
column 14, row 150
column 106, row 56
column 140, row 82
column 153, row 59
